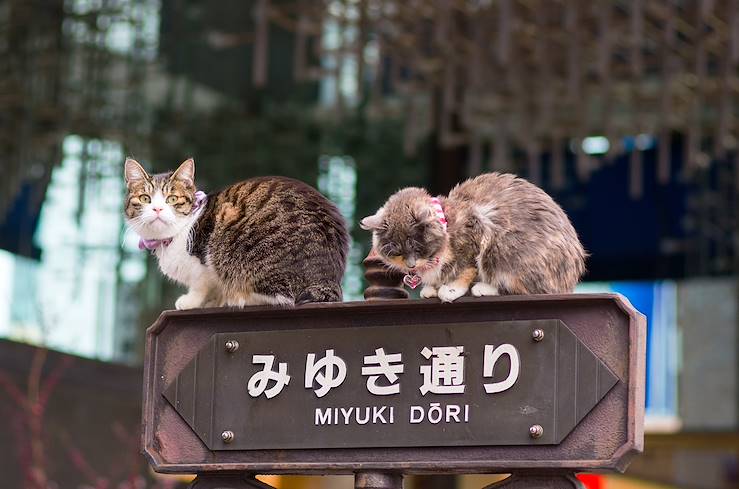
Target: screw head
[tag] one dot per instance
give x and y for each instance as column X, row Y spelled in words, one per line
column 536, row 431
column 538, row 334
column 227, row 436
column 232, row 346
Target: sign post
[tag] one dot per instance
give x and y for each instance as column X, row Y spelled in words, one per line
column 539, row 386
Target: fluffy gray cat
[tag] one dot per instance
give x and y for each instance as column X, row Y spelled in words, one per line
column 496, row 234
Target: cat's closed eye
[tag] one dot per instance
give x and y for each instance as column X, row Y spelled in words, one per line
column 392, row 250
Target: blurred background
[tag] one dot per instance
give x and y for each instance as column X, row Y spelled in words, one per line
column 624, row 110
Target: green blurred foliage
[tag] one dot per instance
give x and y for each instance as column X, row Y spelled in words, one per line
column 231, row 144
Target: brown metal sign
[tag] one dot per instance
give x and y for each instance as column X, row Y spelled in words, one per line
column 485, row 383
column 479, row 385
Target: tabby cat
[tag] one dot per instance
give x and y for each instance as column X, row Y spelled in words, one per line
column 494, row 234
column 267, row 240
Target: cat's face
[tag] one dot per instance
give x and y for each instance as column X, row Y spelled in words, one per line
column 159, row 206
column 406, row 231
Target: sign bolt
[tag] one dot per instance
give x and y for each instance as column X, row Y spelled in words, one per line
column 536, row 431
column 227, row 436
column 538, row 334
column 232, row 346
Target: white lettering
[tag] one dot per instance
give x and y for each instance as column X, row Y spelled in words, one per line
column 258, row 382
column 417, row 414
column 492, row 355
column 377, row 414
column 366, row 417
column 328, row 372
column 360, row 415
column 445, row 375
column 323, row 417
column 452, row 411
column 435, row 411
column 386, row 365
column 346, row 414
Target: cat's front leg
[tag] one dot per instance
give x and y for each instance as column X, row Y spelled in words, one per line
column 214, row 299
column 429, row 291
column 481, row 289
column 195, row 297
column 454, row 290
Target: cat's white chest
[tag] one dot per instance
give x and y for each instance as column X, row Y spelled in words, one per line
column 431, row 276
column 179, row 265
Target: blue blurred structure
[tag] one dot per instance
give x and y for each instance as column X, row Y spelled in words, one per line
column 657, row 301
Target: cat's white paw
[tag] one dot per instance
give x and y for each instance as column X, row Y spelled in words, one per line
column 428, row 291
column 481, row 289
column 452, row 292
column 188, row 301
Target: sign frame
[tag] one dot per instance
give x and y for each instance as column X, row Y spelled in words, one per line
column 605, row 439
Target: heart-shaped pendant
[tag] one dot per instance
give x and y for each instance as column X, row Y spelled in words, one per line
column 412, row 281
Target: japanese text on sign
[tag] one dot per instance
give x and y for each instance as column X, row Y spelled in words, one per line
column 443, row 375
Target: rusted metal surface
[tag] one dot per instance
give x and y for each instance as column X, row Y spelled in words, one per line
column 606, row 438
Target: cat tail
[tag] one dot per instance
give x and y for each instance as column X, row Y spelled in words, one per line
column 321, row 292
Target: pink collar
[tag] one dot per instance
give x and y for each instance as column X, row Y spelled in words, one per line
column 153, row 244
column 436, row 205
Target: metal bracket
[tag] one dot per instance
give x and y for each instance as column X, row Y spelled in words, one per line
column 362, row 480
column 377, row 480
column 539, row 480
column 227, row 481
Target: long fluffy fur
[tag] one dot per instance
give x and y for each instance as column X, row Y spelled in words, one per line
column 505, row 236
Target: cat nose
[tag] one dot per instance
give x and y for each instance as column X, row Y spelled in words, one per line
column 410, row 262
column 157, row 209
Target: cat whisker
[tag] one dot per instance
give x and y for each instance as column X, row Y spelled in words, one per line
column 125, row 236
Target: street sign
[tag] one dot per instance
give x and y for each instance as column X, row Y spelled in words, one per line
column 484, row 383
column 478, row 385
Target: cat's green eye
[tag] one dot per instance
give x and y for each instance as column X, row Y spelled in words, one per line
column 145, row 199
column 171, row 199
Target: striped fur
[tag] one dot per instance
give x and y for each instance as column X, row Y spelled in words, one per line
column 267, row 240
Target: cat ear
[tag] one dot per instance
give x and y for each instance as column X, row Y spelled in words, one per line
column 373, row 222
column 186, row 172
column 133, row 171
